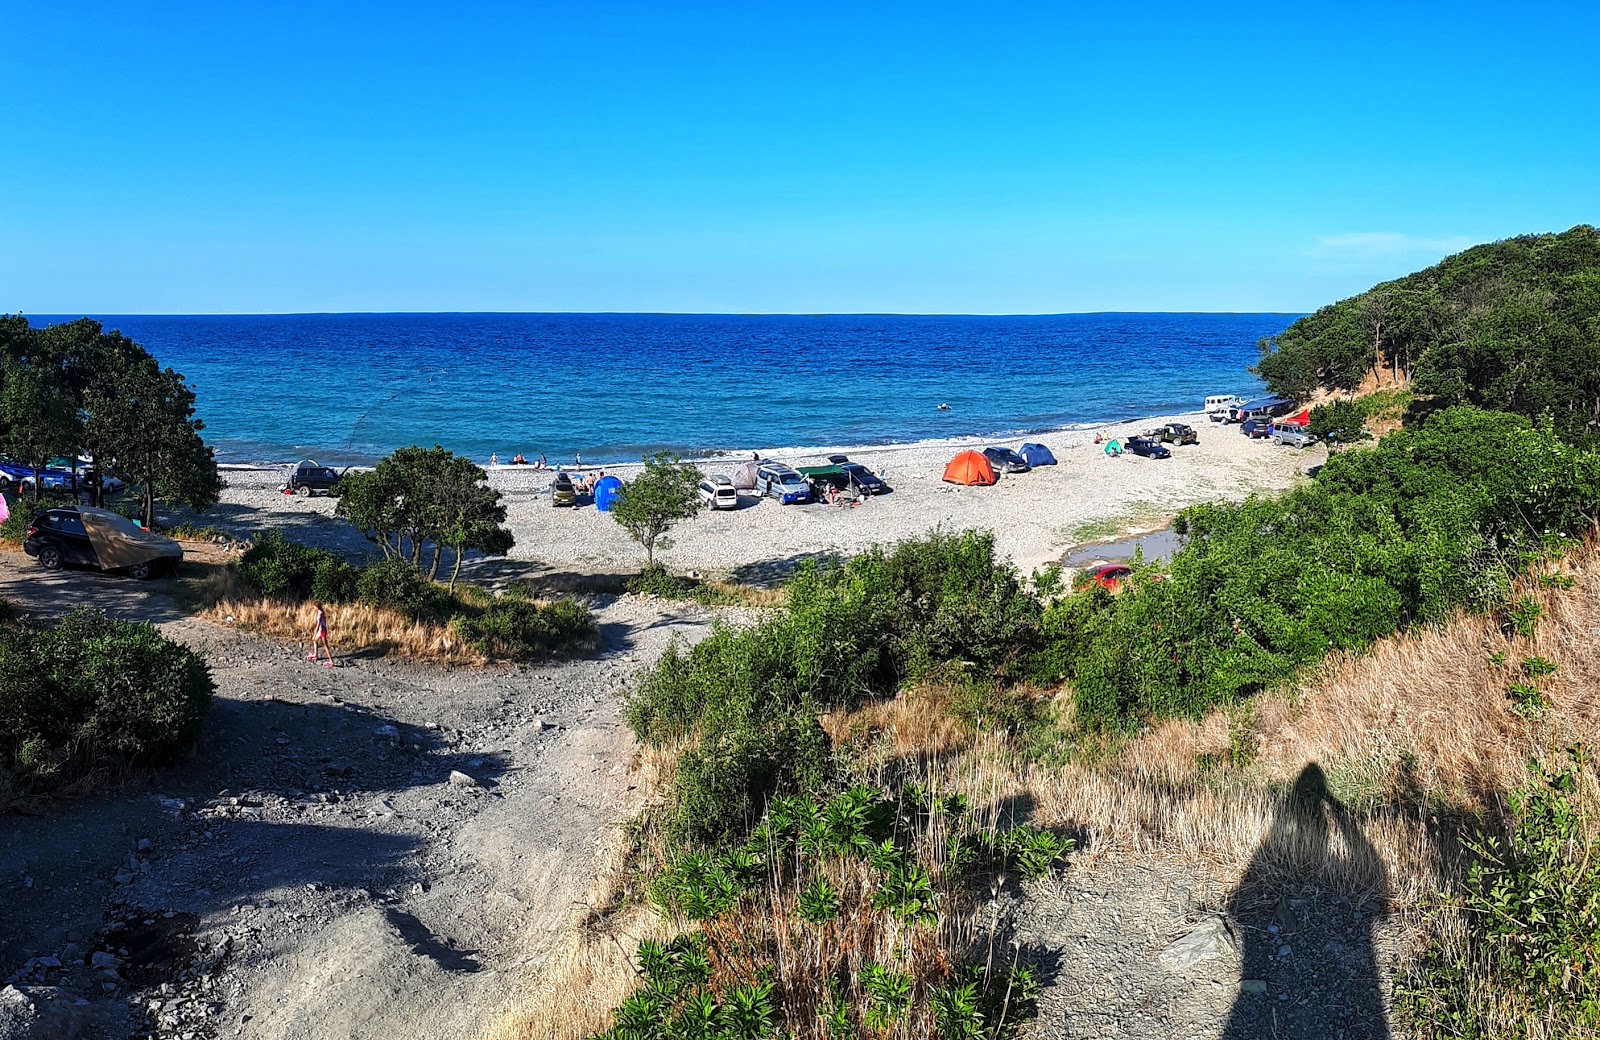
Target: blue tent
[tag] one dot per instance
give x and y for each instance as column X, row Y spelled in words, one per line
column 1037, row 455
column 606, row 492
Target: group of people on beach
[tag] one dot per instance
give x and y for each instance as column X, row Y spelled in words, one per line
column 520, row 459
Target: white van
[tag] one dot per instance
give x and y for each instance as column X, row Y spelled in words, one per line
column 1218, row 405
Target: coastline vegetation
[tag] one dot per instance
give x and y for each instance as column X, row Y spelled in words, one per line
column 88, row 699
column 72, row 387
column 391, row 607
column 1511, row 326
column 932, row 670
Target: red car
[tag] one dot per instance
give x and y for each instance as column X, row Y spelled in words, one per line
column 1108, row 576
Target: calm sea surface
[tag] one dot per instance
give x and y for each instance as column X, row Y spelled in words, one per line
column 346, row 388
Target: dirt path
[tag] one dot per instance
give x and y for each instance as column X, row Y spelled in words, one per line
column 378, row 850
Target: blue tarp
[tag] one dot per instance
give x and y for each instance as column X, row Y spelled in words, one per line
column 1265, row 402
column 1037, row 455
column 606, row 492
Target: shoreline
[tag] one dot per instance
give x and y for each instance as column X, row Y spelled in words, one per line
column 734, row 456
column 1035, row 517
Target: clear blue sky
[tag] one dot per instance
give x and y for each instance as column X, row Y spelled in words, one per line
column 224, row 157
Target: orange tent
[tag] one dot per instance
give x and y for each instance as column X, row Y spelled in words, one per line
column 1303, row 419
column 969, row 468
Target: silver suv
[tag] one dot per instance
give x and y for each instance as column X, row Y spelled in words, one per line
column 1293, row 436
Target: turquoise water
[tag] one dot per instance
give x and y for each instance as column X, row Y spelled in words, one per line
column 346, row 388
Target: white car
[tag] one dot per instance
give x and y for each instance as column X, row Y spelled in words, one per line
column 718, row 492
column 1218, row 406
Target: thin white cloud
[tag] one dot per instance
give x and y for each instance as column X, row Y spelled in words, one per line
column 1374, row 244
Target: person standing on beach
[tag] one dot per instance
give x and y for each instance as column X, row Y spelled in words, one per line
column 319, row 637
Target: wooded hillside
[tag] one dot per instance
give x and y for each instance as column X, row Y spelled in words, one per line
column 1512, row 326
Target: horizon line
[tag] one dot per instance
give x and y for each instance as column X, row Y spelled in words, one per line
column 653, row 313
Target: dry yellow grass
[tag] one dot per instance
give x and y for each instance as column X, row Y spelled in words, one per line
column 352, row 627
column 1418, row 723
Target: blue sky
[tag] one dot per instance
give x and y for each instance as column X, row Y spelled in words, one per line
column 175, row 158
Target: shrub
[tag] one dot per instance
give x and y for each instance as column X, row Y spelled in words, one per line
column 1514, row 948
column 747, row 699
column 334, row 581
column 520, row 629
column 93, row 695
column 275, row 566
column 398, row 586
column 1430, row 520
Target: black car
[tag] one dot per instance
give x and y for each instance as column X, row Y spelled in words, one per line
column 1175, row 433
column 1004, row 460
column 88, row 537
column 863, row 479
column 1148, row 448
column 1258, row 427
column 308, row 477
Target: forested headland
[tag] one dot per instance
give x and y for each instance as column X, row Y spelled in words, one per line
column 1509, row 326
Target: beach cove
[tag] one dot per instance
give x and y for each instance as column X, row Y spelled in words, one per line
column 1035, row 516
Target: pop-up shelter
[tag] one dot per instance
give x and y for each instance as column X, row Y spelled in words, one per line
column 606, row 492
column 746, row 475
column 969, row 468
column 1302, row 420
column 1037, row 455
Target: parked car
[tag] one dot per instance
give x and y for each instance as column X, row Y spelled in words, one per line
column 1293, row 436
column 308, row 478
column 863, row 479
column 1175, row 433
column 564, row 491
column 85, row 537
column 1256, row 427
column 1004, row 460
column 718, row 492
column 1108, row 576
column 1218, row 405
column 783, row 483
column 1150, row 449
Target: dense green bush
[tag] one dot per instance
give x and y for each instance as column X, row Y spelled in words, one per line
column 520, row 629
column 275, row 566
column 1434, row 518
column 334, row 581
column 398, row 586
column 748, row 698
column 1511, row 325
column 93, row 694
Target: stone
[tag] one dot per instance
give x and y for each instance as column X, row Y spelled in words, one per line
column 50, row 961
column 460, row 779
column 145, row 844
column 1208, row 940
column 1258, row 987
column 102, row 959
column 387, row 730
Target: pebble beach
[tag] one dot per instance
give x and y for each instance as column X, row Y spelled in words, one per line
column 1035, row 516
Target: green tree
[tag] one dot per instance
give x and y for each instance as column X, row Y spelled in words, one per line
column 469, row 515
column 656, row 501
column 418, row 500
column 41, row 418
column 141, row 427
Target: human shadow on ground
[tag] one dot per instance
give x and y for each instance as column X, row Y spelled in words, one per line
column 425, row 944
column 1309, row 966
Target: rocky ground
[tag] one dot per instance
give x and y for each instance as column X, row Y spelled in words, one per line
column 376, row 850
column 1161, row 952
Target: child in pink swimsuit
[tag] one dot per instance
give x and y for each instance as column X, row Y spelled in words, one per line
column 319, row 637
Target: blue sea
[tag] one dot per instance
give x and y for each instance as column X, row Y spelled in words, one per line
column 348, row 388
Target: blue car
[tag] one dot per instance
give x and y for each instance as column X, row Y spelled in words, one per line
column 1148, row 448
column 782, row 483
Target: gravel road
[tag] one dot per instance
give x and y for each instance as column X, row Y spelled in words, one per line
column 378, row 850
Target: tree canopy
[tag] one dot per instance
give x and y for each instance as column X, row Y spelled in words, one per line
column 656, row 500
column 1511, row 326
column 74, row 387
column 420, row 497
